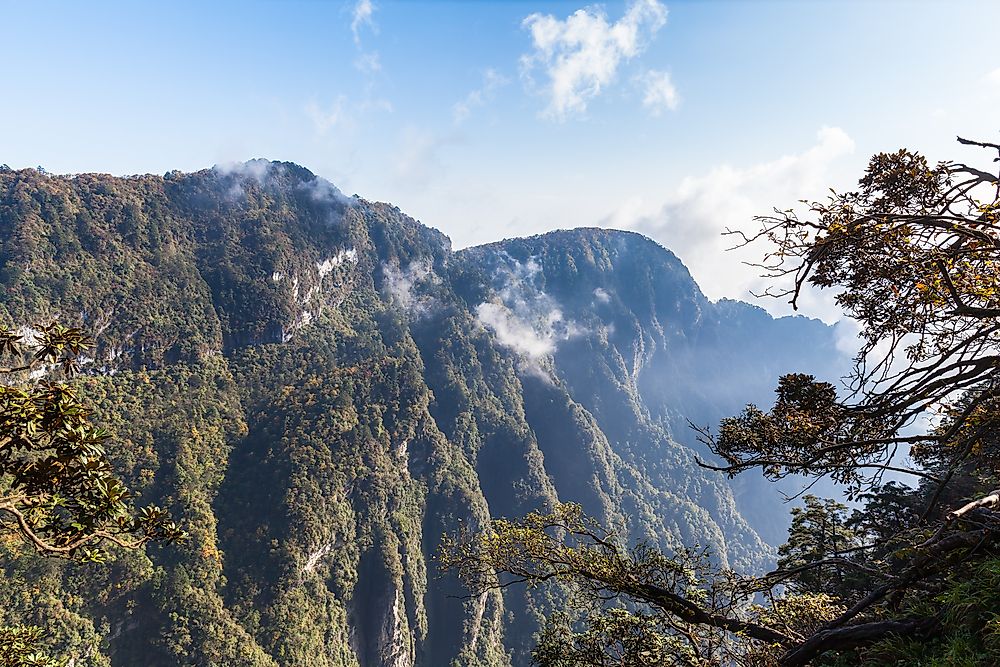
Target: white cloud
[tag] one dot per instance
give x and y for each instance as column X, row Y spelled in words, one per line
column 404, row 286
column 346, row 113
column 527, row 319
column 257, row 169
column 692, row 219
column 848, row 337
column 513, row 332
column 993, row 77
column 492, row 81
column 602, row 295
column 323, row 191
column 362, row 16
column 261, row 171
column 581, row 54
column 659, row 93
column 368, row 62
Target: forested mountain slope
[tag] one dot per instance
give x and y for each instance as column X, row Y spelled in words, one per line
column 319, row 388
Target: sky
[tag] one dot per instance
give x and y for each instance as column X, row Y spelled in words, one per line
column 489, row 120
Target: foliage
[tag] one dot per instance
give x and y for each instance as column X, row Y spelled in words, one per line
column 19, row 648
column 685, row 603
column 819, row 532
column 59, row 491
column 316, row 436
column 612, row 637
column 913, row 257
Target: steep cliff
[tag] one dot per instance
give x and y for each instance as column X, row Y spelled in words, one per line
column 319, row 388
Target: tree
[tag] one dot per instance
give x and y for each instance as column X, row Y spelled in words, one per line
column 913, row 256
column 819, row 532
column 674, row 610
column 58, row 492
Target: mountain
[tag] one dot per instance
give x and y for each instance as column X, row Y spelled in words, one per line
column 319, row 388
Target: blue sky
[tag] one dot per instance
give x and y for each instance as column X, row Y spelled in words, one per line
column 496, row 119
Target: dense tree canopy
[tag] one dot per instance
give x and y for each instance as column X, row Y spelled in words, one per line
column 913, row 257
column 264, row 381
column 58, row 492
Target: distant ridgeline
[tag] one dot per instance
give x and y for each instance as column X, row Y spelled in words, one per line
column 319, row 388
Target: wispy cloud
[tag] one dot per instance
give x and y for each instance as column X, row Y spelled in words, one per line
column 369, row 63
column 993, row 78
column 324, row 119
column 362, row 16
column 492, row 81
column 408, row 287
column 344, row 114
column 323, row 191
column 418, row 162
column 262, row 172
column 693, row 218
column 659, row 93
column 581, row 54
column 514, row 333
column 523, row 317
column 257, row 169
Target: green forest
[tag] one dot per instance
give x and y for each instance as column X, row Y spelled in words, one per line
column 246, row 419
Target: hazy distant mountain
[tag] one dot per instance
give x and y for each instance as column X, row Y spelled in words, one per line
column 319, row 388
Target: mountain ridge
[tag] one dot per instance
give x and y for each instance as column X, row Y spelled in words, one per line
column 320, row 387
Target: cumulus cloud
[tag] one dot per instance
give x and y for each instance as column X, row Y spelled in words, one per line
column 581, row 55
column 602, row 295
column 492, row 81
column 659, row 93
column 692, row 219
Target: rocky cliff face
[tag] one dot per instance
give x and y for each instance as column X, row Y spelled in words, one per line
column 319, row 388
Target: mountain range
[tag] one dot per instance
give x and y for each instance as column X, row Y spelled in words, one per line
column 319, row 387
